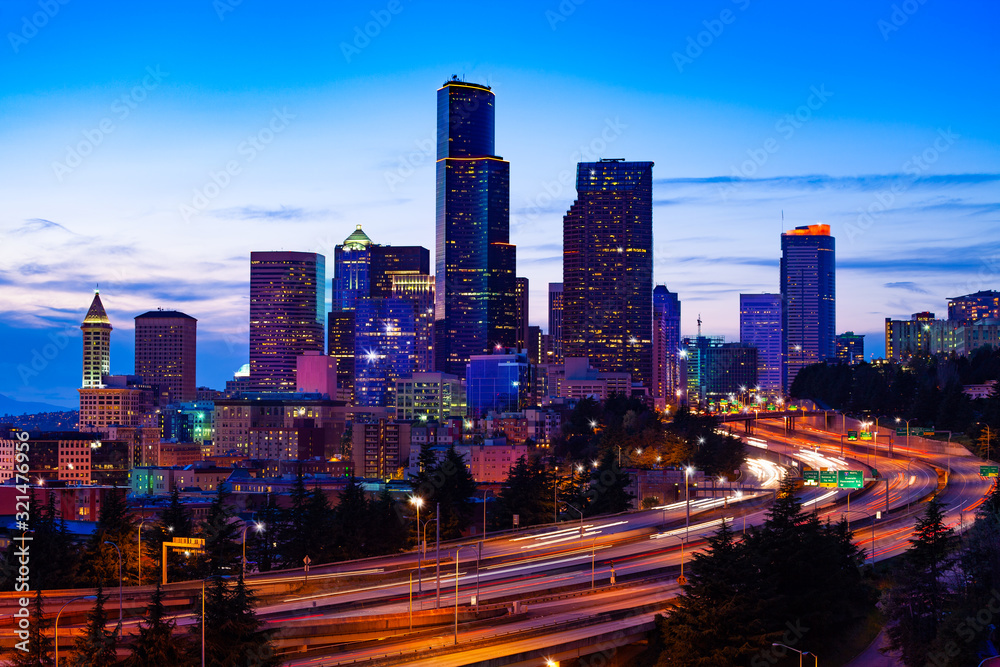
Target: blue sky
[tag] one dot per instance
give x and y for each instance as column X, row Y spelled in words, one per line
column 151, row 148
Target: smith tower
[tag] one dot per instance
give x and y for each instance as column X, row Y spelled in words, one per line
column 608, row 268
column 96, row 344
column 475, row 304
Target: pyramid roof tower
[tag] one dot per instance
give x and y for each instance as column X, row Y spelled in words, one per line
column 97, row 315
column 358, row 240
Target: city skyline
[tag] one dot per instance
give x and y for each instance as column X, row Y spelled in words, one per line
column 118, row 218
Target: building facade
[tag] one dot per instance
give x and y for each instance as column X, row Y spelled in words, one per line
column 165, row 354
column 429, row 397
column 808, row 294
column 851, row 348
column 666, row 345
column 96, row 329
column 608, row 268
column 555, row 342
column 286, row 315
column 971, row 308
column 499, row 382
column 760, row 326
column 475, row 301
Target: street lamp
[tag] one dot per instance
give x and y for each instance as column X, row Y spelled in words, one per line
column 801, row 653
column 578, row 511
column 873, row 528
column 139, row 557
column 260, row 529
column 687, row 499
column 81, row 597
column 119, row 582
column 907, row 422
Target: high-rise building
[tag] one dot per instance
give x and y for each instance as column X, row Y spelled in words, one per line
column 165, row 342
column 475, row 303
column 556, row 321
column 521, row 299
column 982, row 305
column 808, row 293
column 851, row 348
column 760, row 326
column 608, row 268
column 380, row 327
column 666, row 345
column 96, row 344
column 287, row 300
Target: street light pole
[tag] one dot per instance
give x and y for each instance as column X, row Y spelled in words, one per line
column 457, row 552
column 81, row 597
column 260, row 529
column 417, row 501
column 687, row 500
column 139, row 557
column 119, row 582
column 437, row 530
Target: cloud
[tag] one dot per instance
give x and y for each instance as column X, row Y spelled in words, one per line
column 36, row 225
column 908, row 286
column 261, row 213
column 824, row 181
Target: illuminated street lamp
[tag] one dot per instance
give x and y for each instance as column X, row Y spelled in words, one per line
column 82, row 597
column 260, row 529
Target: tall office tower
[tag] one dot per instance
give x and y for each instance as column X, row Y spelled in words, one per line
column 808, row 292
column 165, row 342
column 380, row 327
column 475, row 302
column 608, row 268
column 419, row 290
column 286, row 315
column 666, row 345
column 556, row 321
column 521, row 293
column 96, row 344
column 760, row 326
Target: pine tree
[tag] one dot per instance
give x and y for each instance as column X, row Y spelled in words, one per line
column 114, row 524
column 455, row 494
column 38, row 647
column 175, row 521
column 386, row 531
column 97, row 647
column 222, row 552
column 915, row 606
column 527, row 492
column 263, row 545
column 155, row 644
column 295, row 536
column 351, row 523
column 608, row 492
column 233, row 634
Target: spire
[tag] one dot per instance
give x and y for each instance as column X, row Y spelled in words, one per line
column 97, row 314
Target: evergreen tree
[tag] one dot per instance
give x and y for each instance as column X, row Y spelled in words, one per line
column 295, row 537
column 527, row 492
column 386, row 531
column 114, row 524
column 155, row 644
column 263, row 547
column 351, row 522
column 455, row 494
column 97, row 647
column 39, row 644
column 915, row 606
column 608, row 492
column 175, row 521
column 222, row 551
column 233, row 634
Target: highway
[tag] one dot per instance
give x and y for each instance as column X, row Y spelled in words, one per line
column 551, row 585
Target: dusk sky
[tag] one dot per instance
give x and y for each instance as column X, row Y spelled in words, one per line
column 120, row 120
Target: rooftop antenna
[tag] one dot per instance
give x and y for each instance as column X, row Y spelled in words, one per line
column 699, row 325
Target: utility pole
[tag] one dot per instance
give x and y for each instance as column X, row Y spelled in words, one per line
column 437, row 529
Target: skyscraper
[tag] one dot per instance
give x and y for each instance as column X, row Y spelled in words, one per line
column 165, row 344
column 286, row 315
column 96, row 344
column 808, row 293
column 475, row 304
column 521, row 299
column 851, row 348
column 760, row 326
column 556, row 321
column 608, row 268
column 666, row 345
column 380, row 325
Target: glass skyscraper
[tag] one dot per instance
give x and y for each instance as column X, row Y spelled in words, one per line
column 608, row 268
column 666, row 345
column 808, row 294
column 475, row 304
column 286, row 315
column 760, row 326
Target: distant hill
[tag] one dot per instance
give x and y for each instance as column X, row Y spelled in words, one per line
column 10, row 406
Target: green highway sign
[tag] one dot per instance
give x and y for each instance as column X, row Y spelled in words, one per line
column 828, row 478
column 866, row 435
column 852, row 435
column 850, row 479
column 901, row 432
column 989, row 471
column 811, row 477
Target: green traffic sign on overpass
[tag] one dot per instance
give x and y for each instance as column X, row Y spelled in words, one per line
column 828, row 478
column 989, row 471
column 811, row 477
column 850, row 479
